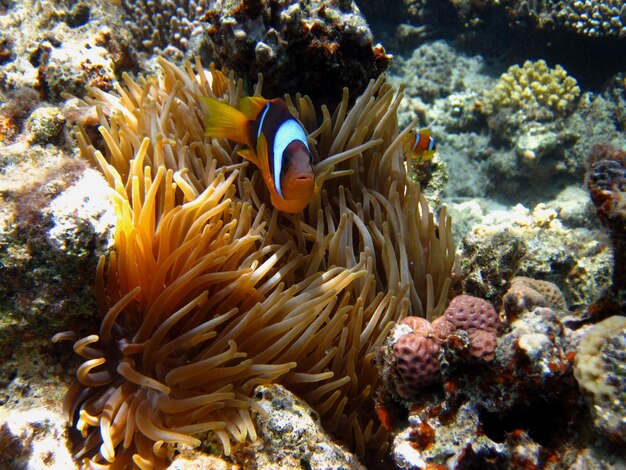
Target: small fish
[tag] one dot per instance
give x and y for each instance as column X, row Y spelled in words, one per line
column 276, row 142
column 421, row 145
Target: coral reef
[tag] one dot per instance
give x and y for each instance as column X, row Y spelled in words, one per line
column 522, row 410
column 606, row 19
column 534, row 244
column 54, row 223
column 600, row 373
column 606, row 181
column 489, row 261
column 536, row 88
column 526, row 109
column 165, row 26
column 289, row 421
column 313, row 48
column 205, row 276
column 413, row 355
column 54, row 53
column 524, row 152
column 526, row 293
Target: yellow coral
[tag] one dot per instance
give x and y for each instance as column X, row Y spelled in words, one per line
column 590, row 369
column 534, row 85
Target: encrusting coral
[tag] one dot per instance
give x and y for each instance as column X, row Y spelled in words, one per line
column 209, row 291
column 527, row 293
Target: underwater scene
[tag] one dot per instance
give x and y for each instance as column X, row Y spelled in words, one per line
column 312, row 234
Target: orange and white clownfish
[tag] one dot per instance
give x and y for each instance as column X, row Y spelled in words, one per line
column 277, row 145
column 421, row 145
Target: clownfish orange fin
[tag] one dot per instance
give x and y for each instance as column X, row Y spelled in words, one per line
column 262, row 156
column 222, row 120
column 251, row 106
column 249, row 155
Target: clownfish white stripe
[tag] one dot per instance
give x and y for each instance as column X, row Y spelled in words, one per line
column 266, row 108
column 288, row 131
column 418, row 139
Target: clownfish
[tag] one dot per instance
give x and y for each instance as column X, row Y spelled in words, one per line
column 277, row 146
column 421, row 145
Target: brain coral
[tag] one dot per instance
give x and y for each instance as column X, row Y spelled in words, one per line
column 209, row 291
column 411, row 357
column 535, row 86
column 601, row 375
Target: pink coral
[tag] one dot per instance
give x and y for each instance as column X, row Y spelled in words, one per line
column 479, row 319
column 417, row 363
column 417, row 354
column 470, row 313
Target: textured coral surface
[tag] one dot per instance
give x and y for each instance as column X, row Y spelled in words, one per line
column 313, row 48
column 414, row 353
column 601, row 374
column 607, row 186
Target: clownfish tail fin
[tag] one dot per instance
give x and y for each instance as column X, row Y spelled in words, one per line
column 224, row 121
column 251, row 106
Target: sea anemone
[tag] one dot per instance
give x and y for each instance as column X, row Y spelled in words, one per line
column 209, row 291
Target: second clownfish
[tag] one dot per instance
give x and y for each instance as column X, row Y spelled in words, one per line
column 421, row 145
column 277, row 146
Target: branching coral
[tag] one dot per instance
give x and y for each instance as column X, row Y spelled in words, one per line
column 209, row 291
column 535, row 86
